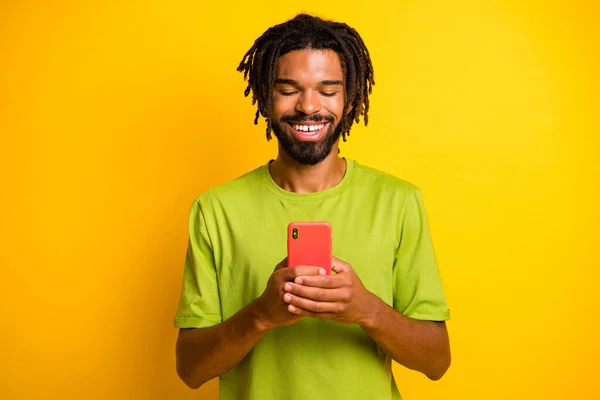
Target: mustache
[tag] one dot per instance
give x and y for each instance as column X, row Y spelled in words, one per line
column 307, row 118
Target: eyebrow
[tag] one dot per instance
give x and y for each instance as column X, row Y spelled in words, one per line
column 327, row 82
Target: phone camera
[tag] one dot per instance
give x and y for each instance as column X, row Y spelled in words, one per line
column 295, row 233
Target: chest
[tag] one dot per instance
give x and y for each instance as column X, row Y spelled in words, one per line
column 253, row 241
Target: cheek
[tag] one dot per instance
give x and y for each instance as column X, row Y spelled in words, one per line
column 281, row 105
column 335, row 106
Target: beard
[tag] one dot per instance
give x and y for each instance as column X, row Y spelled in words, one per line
column 306, row 152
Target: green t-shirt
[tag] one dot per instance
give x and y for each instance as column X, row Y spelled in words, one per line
column 238, row 233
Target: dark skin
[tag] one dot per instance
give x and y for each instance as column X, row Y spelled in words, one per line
column 341, row 297
column 317, row 88
column 205, row 353
column 300, row 292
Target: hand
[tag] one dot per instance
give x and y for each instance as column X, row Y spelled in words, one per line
column 272, row 309
column 340, row 297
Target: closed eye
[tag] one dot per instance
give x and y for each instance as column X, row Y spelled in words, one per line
column 329, row 94
column 283, row 93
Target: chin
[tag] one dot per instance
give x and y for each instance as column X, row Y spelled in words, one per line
column 307, row 148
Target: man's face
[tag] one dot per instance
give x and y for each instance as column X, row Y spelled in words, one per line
column 308, row 103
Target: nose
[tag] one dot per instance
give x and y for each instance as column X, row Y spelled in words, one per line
column 308, row 103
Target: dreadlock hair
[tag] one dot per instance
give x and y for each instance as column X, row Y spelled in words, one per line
column 309, row 32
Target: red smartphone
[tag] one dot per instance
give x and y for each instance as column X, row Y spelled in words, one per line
column 309, row 243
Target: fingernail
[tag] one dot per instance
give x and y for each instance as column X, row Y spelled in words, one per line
column 287, row 287
column 298, row 281
column 287, row 297
column 291, row 308
column 321, row 271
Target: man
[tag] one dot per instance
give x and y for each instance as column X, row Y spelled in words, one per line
column 271, row 332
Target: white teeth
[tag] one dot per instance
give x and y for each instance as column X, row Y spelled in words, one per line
column 308, row 128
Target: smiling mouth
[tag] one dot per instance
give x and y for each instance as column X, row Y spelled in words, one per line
column 308, row 131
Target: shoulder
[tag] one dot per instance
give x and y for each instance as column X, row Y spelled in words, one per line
column 378, row 180
column 236, row 190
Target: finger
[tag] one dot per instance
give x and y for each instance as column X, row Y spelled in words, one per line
column 317, row 293
column 326, row 282
column 290, row 273
column 314, row 306
column 339, row 266
column 305, row 313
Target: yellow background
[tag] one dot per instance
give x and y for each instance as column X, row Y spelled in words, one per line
column 115, row 115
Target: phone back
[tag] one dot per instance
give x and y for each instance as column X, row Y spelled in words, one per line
column 309, row 243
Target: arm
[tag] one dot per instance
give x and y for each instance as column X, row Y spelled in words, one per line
column 205, row 353
column 418, row 345
column 407, row 329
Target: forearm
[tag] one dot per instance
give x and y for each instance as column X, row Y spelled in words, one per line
column 205, row 353
column 419, row 345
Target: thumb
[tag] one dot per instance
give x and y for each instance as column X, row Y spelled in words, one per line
column 339, row 266
column 281, row 265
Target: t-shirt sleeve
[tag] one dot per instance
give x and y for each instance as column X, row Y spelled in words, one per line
column 199, row 305
column 417, row 285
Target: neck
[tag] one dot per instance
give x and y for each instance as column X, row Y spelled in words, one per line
column 294, row 177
